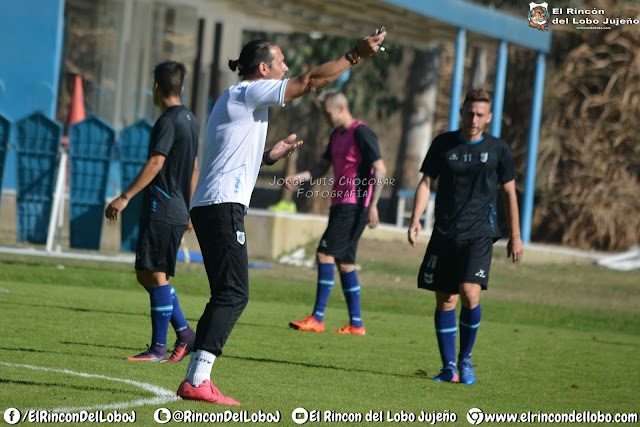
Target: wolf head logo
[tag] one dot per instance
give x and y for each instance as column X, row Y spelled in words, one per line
column 539, row 16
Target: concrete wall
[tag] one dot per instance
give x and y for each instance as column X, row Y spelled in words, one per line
column 269, row 234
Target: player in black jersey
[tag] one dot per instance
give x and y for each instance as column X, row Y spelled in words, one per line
column 167, row 181
column 469, row 166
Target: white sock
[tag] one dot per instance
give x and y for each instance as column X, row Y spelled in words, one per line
column 199, row 368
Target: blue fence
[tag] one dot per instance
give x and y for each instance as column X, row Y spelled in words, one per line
column 37, row 147
column 91, row 153
column 134, row 149
column 5, row 128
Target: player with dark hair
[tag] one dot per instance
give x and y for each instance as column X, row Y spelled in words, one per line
column 358, row 175
column 469, row 165
column 167, row 181
column 233, row 152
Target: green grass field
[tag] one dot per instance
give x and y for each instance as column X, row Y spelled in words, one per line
column 554, row 338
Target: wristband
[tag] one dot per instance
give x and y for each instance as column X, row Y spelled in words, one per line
column 266, row 159
column 352, row 56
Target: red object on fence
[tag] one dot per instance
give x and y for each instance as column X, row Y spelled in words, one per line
column 76, row 108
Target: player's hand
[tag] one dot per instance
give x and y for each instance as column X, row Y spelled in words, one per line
column 285, row 147
column 414, row 232
column 515, row 248
column 370, row 45
column 373, row 220
column 189, row 227
column 293, row 181
column 116, row 206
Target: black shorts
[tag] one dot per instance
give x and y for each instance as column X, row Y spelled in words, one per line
column 448, row 263
column 340, row 239
column 221, row 235
column 157, row 247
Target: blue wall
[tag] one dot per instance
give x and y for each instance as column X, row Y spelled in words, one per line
column 31, row 41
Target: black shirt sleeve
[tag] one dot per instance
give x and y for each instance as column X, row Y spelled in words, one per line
column 164, row 136
column 506, row 170
column 327, row 153
column 367, row 142
column 432, row 162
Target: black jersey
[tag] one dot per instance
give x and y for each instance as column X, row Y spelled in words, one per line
column 167, row 197
column 468, row 175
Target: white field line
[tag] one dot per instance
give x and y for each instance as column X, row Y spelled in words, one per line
column 162, row 395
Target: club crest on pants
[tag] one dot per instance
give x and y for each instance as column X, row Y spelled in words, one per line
column 240, row 237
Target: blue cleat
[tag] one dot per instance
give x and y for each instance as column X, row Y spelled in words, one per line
column 467, row 375
column 447, row 374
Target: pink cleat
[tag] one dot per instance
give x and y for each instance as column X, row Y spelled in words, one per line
column 206, row 392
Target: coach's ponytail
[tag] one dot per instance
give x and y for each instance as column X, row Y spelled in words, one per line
column 253, row 53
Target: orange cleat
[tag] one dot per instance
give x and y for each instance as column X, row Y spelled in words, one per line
column 350, row 330
column 308, row 324
column 148, row 356
column 182, row 349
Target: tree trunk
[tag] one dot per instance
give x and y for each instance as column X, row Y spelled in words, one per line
column 418, row 118
column 478, row 71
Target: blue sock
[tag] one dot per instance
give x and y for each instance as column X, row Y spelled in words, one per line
column 178, row 321
column 323, row 290
column 351, row 289
column 161, row 309
column 469, row 322
column 445, row 322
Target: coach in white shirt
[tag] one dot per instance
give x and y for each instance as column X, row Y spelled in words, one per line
column 233, row 152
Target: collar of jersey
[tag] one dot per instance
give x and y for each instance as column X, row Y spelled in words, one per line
column 461, row 139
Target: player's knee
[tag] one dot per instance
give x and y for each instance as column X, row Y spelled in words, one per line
column 445, row 301
column 148, row 278
column 142, row 279
column 345, row 268
column 324, row 258
column 470, row 294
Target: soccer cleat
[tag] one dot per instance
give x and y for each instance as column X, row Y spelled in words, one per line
column 206, row 392
column 308, row 324
column 467, row 375
column 447, row 374
column 350, row 330
column 182, row 349
column 148, row 356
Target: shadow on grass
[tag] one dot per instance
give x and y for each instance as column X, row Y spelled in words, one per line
column 69, row 386
column 66, row 353
column 418, row 374
column 623, row 344
column 76, row 309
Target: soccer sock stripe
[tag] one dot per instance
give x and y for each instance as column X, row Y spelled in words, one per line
column 351, row 290
column 200, row 366
column 469, row 323
column 161, row 309
column 445, row 322
column 178, row 321
column 323, row 289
